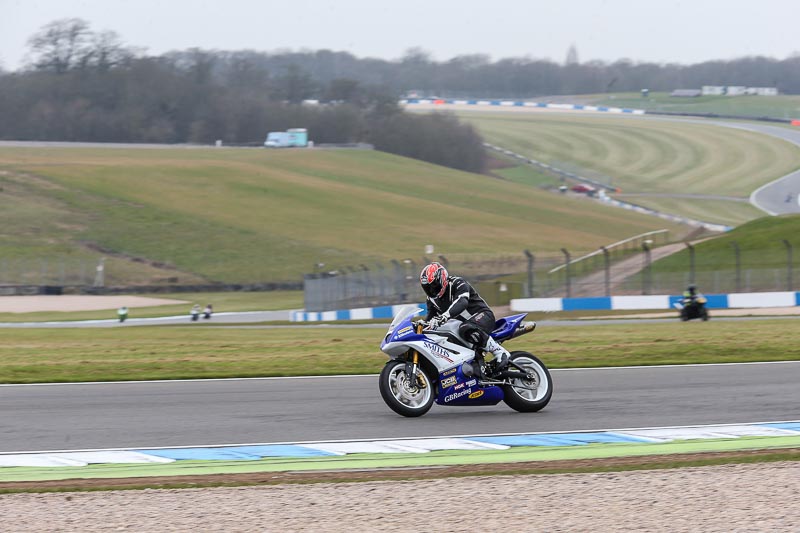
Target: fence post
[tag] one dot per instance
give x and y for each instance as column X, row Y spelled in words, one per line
column 789, row 280
column 530, row 257
column 399, row 280
column 411, row 269
column 738, row 259
column 367, row 285
column 99, row 278
column 567, row 270
column 690, row 247
column 381, row 283
column 607, row 269
column 646, row 281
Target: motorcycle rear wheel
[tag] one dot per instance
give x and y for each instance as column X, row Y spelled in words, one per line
column 536, row 393
column 400, row 396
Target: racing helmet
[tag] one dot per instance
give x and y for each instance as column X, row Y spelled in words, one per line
column 692, row 289
column 433, row 279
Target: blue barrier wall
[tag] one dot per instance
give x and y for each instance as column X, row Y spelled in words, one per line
column 603, row 303
column 513, row 103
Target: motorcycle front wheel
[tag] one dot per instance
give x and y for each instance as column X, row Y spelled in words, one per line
column 528, row 395
column 400, row 396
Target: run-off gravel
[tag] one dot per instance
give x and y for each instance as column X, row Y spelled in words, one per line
column 759, row 497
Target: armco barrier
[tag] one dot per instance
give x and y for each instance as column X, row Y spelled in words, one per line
column 513, row 103
column 602, row 303
column 361, row 313
column 663, row 301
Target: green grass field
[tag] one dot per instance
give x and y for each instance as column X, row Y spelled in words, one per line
column 760, row 244
column 782, row 106
column 643, row 155
column 250, row 215
column 647, row 156
column 139, row 353
column 715, row 211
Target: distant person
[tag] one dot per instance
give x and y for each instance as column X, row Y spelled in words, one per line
column 195, row 312
column 788, row 197
column 122, row 313
column 208, row 311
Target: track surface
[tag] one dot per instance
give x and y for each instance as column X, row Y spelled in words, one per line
column 188, row 413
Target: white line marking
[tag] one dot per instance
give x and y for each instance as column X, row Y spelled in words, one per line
column 301, row 443
column 204, row 380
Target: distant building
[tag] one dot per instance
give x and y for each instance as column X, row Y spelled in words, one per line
column 737, row 90
column 686, row 93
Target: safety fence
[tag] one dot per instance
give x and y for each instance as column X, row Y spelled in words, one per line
column 50, row 272
column 642, row 265
column 497, row 277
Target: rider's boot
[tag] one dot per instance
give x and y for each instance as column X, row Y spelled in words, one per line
column 501, row 355
column 477, row 365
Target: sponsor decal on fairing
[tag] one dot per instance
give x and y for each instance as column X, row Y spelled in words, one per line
column 448, row 382
column 438, row 351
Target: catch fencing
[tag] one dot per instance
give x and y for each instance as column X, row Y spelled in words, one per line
column 49, row 273
column 642, row 265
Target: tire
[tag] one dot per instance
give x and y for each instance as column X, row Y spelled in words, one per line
column 526, row 400
column 704, row 315
column 401, row 399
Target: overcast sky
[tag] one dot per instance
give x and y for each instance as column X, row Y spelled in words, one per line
column 682, row 31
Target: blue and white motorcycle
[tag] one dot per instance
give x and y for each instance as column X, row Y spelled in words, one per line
column 437, row 365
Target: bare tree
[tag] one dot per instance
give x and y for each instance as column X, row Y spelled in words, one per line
column 60, row 45
column 107, row 51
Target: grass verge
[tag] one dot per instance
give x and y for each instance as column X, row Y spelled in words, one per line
column 196, row 351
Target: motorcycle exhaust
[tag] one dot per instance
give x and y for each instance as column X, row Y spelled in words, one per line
column 523, row 328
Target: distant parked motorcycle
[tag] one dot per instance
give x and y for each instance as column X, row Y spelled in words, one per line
column 430, row 365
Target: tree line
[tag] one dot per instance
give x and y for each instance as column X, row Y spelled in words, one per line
column 81, row 85
column 86, row 85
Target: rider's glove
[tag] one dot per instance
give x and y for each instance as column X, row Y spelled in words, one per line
column 437, row 321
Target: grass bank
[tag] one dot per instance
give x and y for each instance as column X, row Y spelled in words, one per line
column 251, row 215
column 656, row 157
column 781, row 106
column 146, row 353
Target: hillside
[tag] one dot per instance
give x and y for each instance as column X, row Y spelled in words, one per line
column 655, row 163
column 782, row 106
column 251, row 215
column 763, row 257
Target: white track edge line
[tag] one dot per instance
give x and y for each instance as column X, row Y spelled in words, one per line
column 301, row 443
column 552, row 370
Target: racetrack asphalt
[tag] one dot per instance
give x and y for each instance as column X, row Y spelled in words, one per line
column 273, row 410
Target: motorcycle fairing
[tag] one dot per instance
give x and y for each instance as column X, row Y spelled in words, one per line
column 455, row 388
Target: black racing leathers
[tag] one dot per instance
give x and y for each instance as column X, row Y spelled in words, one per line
column 462, row 302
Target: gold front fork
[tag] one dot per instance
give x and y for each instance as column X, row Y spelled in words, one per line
column 415, row 364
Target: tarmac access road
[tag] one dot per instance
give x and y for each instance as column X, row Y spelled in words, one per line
column 271, row 410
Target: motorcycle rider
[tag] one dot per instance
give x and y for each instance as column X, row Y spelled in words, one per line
column 691, row 294
column 452, row 297
column 693, row 302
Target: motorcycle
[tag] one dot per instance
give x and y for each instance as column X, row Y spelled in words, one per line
column 430, row 365
column 691, row 308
